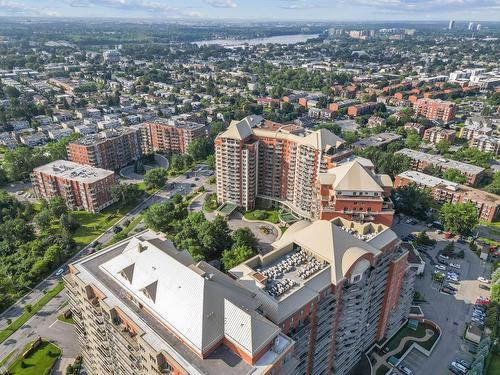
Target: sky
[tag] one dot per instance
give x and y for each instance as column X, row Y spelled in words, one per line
column 321, row 10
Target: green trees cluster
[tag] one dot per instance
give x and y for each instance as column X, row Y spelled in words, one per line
column 386, row 161
column 459, row 218
column 126, row 193
column 25, row 258
column 411, row 200
column 203, row 239
column 19, row 162
column 155, row 178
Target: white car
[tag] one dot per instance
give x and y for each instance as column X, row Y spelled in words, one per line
column 59, row 272
column 440, row 267
column 455, row 265
column 483, row 280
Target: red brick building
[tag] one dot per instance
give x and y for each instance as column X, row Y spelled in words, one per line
column 435, row 109
column 355, row 192
column 112, row 149
column 363, row 109
column 487, row 204
column 81, row 187
column 172, row 136
column 438, row 134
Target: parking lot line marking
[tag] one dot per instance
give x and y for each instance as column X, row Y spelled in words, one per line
column 55, row 321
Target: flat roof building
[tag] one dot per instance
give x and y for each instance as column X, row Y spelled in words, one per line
column 420, row 160
column 111, row 149
column 487, row 204
column 80, row 186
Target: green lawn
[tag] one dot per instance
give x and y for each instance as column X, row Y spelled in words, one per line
column 494, row 366
column 18, row 323
column 267, row 215
column 93, row 225
column 38, row 362
column 63, row 319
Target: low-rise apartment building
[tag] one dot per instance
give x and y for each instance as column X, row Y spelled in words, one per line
column 435, row 109
column 421, row 160
column 363, row 109
column 334, row 287
column 476, row 126
column 172, row 136
column 275, row 162
column 437, row 134
column 355, row 192
column 486, row 143
column 487, row 204
column 143, row 307
column 112, row 149
column 81, row 187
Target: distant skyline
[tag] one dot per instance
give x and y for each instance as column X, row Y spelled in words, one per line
column 265, row 10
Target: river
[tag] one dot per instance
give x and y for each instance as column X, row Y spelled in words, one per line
column 282, row 39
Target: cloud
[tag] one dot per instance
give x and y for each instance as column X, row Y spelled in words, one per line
column 301, row 4
column 154, row 8
column 222, row 3
column 13, row 6
column 404, row 6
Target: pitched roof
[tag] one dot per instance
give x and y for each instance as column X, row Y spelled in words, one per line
column 187, row 297
column 338, row 247
column 250, row 330
column 353, row 176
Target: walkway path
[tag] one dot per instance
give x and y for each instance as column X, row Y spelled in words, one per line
column 383, row 360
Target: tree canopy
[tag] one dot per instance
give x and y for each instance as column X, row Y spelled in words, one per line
column 459, row 218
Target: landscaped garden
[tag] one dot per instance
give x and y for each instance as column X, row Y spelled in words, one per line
column 38, row 362
column 271, row 216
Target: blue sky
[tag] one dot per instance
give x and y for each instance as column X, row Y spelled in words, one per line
column 334, row 10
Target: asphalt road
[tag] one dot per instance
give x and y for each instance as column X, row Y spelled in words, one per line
column 41, row 324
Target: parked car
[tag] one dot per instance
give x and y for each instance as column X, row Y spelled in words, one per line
column 483, row 280
column 440, row 267
column 464, row 363
column 448, row 291
column 455, row 265
column 59, row 272
column 485, row 287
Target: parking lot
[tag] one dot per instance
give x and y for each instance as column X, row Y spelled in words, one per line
column 450, row 312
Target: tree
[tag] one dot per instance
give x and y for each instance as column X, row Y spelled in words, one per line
column 494, row 186
column 411, row 200
column 155, row 178
column 57, row 207
column 443, row 147
column 43, row 219
column 125, row 193
column 454, row 175
column 244, row 237
column 413, row 140
column 236, row 255
column 215, row 237
column 200, row 148
column 433, row 170
column 459, row 218
column 68, row 223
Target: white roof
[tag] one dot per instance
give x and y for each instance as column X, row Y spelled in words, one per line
column 188, row 298
column 73, row 171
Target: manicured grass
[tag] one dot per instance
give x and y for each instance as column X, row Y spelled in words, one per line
column 210, row 205
column 403, row 332
column 494, row 365
column 6, row 358
column 63, row 319
column 19, row 322
column 93, row 225
column 38, row 362
column 270, row 215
